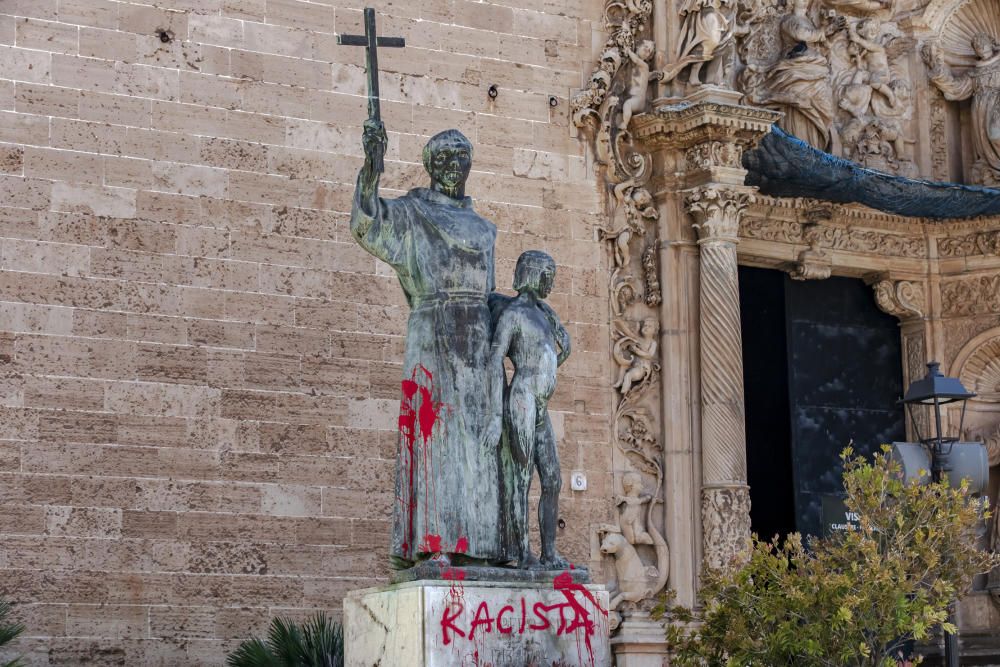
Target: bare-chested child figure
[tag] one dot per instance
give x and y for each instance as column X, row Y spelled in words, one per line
column 529, row 332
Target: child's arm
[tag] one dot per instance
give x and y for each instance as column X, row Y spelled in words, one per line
column 496, row 378
column 562, row 336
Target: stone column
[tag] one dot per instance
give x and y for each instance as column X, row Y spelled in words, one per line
column 725, row 496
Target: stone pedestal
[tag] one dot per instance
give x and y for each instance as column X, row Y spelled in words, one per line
column 444, row 623
column 640, row 642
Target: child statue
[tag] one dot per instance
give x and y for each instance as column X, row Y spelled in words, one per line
column 633, row 520
column 529, row 332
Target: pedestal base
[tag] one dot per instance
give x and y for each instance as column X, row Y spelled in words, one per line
column 445, row 623
column 640, row 642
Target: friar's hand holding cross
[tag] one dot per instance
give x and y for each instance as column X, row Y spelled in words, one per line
column 374, row 140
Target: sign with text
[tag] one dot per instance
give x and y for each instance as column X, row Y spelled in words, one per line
column 836, row 516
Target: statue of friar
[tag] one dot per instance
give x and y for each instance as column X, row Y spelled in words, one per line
column 447, row 499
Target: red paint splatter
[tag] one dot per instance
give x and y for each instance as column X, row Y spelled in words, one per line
column 426, row 416
column 581, row 617
column 431, row 544
column 462, row 545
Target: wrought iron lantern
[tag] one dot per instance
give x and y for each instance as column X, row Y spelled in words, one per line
column 944, row 455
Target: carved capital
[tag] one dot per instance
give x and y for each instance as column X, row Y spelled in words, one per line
column 717, row 211
column 901, row 298
column 725, row 517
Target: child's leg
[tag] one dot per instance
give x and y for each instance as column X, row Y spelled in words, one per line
column 547, row 462
column 521, row 413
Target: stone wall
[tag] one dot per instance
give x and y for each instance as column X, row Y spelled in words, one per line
column 199, row 370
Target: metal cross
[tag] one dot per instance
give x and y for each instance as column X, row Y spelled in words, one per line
column 371, row 41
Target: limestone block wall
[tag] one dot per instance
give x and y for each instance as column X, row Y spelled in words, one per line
column 199, row 370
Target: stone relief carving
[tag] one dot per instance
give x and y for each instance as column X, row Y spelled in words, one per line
column 714, row 154
column 968, row 38
column 977, row 243
column 725, row 516
column 835, row 237
column 636, row 354
column 939, row 140
column 901, row 298
column 787, row 67
column 651, row 273
column 637, row 580
column 971, row 296
column 633, row 208
column 916, row 366
column 980, row 372
column 618, row 90
column 873, row 98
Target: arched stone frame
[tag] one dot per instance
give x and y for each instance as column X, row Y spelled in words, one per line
column 977, row 361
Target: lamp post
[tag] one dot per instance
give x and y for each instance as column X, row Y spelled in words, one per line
column 934, row 389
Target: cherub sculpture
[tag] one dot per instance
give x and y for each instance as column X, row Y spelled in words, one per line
column 638, row 81
column 529, row 332
column 632, row 520
column 871, row 57
column 635, row 354
column 634, row 205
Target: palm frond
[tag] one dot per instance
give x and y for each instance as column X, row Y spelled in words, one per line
column 8, row 631
column 319, row 642
column 252, row 653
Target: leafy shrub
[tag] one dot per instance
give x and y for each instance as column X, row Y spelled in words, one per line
column 850, row 599
column 8, row 631
column 319, row 642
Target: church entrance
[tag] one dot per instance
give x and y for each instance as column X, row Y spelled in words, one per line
column 822, row 367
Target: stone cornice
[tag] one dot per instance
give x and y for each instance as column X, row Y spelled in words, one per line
column 685, row 124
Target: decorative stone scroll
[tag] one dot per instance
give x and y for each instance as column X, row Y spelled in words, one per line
column 901, row 298
column 986, row 243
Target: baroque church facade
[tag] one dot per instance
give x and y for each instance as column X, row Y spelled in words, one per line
column 199, row 369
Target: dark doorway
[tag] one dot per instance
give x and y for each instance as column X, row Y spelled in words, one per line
column 821, row 368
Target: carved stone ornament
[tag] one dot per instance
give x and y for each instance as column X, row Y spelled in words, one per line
column 833, row 236
column 623, row 21
column 977, row 295
column 969, row 37
column 725, row 515
column 813, row 264
column 985, row 243
column 714, row 154
column 901, row 298
column 717, row 211
column 980, row 372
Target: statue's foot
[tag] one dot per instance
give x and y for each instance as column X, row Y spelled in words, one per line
column 555, row 561
column 529, row 562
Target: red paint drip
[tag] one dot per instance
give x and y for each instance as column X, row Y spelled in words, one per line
column 462, row 546
column 426, row 416
column 581, row 617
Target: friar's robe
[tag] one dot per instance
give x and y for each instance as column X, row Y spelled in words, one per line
column 446, row 483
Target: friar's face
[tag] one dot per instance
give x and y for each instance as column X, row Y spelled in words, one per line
column 450, row 164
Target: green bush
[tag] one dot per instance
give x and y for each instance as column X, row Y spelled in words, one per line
column 849, row 600
column 8, row 631
column 319, row 642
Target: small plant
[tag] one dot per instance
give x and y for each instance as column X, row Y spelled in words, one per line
column 319, row 642
column 8, row 631
column 851, row 599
